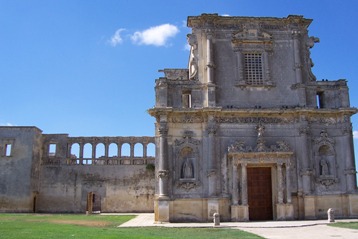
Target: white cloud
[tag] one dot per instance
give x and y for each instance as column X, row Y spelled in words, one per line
column 225, row 15
column 157, row 36
column 355, row 134
column 116, row 38
column 6, row 124
column 187, row 47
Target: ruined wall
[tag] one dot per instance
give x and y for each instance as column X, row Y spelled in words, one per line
column 120, row 181
column 19, row 164
column 56, row 173
column 121, row 188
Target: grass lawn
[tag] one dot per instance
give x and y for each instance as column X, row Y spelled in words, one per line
column 31, row 226
column 350, row 225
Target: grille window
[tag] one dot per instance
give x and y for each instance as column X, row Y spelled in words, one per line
column 253, row 69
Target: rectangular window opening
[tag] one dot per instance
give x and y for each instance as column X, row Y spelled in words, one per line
column 186, row 99
column 52, row 150
column 319, row 100
column 253, row 69
column 8, row 150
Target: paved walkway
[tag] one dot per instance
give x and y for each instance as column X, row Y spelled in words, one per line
column 316, row 229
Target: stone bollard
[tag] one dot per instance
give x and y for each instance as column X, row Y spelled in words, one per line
column 330, row 214
column 216, row 219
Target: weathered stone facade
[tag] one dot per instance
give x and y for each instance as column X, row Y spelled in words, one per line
column 247, row 132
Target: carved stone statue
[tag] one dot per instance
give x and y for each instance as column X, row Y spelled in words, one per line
column 187, row 170
column 324, row 167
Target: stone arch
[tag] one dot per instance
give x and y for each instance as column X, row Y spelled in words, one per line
column 138, row 150
column 151, row 150
column 113, row 150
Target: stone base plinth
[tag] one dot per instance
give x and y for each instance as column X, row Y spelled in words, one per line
column 284, row 212
column 239, row 213
column 161, row 210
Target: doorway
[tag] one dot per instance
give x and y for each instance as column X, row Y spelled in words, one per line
column 259, row 190
column 93, row 203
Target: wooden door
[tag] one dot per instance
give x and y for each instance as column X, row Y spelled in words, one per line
column 259, row 191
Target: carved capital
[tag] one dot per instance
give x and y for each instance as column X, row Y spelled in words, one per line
column 163, row 174
column 305, row 130
column 211, row 173
column 347, row 129
column 350, row 171
column 163, row 129
column 306, row 172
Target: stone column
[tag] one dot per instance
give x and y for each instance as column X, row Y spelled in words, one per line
column 119, row 150
column 106, row 149
column 288, row 183
column 69, row 149
column 145, row 150
column 210, row 95
column 211, row 157
column 93, row 150
column 163, row 171
column 279, row 183
column 240, row 67
column 298, row 66
column 297, row 58
column 306, row 170
column 235, row 183
column 267, row 68
column 209, row 58
column 350, row 170
column 131, row 149
column 244, row 200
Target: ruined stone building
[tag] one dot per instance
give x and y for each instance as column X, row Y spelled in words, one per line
column 246, row 131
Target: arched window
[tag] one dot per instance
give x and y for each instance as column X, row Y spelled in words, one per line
column 151, row 150
column 87, row 154
column 126, row 150
column 100, row 150
column 75, row 152
column 113, row 150
column 138, row 150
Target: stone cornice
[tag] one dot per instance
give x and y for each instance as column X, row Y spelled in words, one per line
column 267, row 112
column 206, row 21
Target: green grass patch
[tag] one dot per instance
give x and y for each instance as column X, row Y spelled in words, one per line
column 46, row 226
column 350, row 225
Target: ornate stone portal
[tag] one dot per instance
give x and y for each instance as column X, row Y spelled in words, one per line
column 277, row 157
column 248, row 120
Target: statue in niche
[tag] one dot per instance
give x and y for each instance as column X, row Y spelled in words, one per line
column 187, row 170
column 324, row 167
column 193, row 66
column 324, row 153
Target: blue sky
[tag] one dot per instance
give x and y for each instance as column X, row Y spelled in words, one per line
column 87, row 67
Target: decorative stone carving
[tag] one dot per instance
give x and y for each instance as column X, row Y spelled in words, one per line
column 188, row 185
column 327, row 180
column 239, row 146
column 163, row 174
column 254, row 120
column 176, row 74
column 324, row 139
column 187, row 118
column 187, row 138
